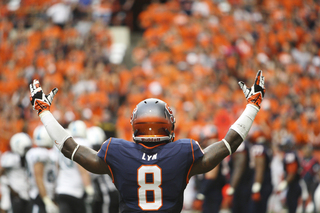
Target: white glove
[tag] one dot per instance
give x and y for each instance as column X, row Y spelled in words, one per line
column 256, row 187
column 230, row 191
column 90, row 193
column 50, row 206
column 282, row 186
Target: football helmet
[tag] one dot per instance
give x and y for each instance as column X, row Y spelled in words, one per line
column 20, row 143
column 78, row 129
column 287, row 143
column 152, row 121
column 41, row 137
column 96, row 136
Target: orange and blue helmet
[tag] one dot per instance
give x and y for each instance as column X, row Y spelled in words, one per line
column 152, row 121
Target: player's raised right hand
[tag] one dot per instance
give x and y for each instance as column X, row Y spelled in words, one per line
column 255, row 94
column 40, row 102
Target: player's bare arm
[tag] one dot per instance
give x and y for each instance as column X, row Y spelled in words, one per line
column 239, row 166
column 85, row 156
column 38, row 173
column 260, row 163
column 88, row 158
column 216, row 152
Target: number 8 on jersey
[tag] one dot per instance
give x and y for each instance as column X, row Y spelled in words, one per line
column 149, row 181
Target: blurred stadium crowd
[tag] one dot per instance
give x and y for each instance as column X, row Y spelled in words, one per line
column 191, row 55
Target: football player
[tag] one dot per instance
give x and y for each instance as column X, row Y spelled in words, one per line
column 42, row 168
column 292, row 170
column 261, row 157
column 240, row 179
column 13, row 166
column 74, row 181
column 311, row 169
column 212, row 182
column 152, row 172
column 5, row 202
column 106, row 197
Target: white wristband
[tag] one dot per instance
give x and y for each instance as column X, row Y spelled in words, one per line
column 74, row 151
column 57, row 133
column 227, row 145
column 244, row 122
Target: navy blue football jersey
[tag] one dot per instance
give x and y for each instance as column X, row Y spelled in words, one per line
column 258, row 150
column 290, row 158
column 150, row 178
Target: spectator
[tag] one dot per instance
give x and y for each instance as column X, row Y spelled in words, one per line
column 59, row 13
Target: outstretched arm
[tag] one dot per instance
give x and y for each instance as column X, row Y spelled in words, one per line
column 85, row 156
column 216, row 152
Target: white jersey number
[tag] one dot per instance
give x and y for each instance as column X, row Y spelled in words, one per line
column 145, row 187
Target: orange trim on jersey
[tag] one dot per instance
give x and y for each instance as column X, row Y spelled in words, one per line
column 151, row 147
column 192, row 161
column 111, row 173
column 292, row 167
column 105, row 155
column 101, row 145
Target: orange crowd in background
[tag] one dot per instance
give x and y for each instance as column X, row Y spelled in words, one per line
column 191, row 55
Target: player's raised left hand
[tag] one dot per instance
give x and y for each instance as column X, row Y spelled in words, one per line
column 40, row 102
column 255, row 94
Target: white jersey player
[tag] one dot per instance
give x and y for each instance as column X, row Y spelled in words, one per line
column 42, row 166
column 73, row 181
column 106, row 197
column 13, row 168
column 5, row 201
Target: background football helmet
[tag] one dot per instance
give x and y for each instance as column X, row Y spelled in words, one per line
column 41, row 137
column 287, row 143
column 96, row 136
column 78, row 129
column 152, row 121
column 20, row 143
